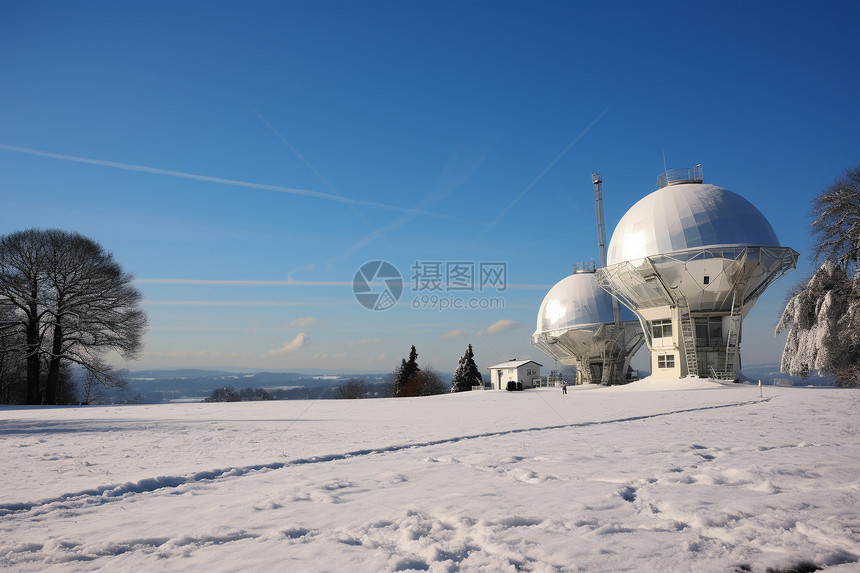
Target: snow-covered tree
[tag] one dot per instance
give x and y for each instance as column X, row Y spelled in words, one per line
column 822, row 315
column 467, row 373
column 823, row 323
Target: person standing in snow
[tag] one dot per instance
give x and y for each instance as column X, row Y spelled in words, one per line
column 564, row 387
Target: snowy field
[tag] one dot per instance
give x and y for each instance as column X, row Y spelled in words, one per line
column 636, row 478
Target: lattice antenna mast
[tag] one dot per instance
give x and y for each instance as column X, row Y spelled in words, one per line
column 597, row 179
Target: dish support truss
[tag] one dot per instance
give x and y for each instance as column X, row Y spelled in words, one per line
column 667, row 281
column 600, row 352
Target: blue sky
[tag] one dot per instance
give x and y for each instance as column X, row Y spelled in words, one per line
column 243, row 160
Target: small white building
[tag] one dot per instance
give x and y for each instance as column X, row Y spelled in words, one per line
column 519, row 371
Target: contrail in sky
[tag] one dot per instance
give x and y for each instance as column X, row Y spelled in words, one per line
column 241, row 282
column 220, row 180
column 295, row 283
column 317, row 173
column 541, row 174
column 444, row 190
column 435, row 196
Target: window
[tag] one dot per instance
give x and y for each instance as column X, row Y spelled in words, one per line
column 715, row 330
column 701, row 332
column 661, row 328
column 666, row 361
column 706, row 280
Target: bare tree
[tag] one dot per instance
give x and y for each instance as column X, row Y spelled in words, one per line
column 94, row 308
column 22, row 286
column 429, row 383
column 75, row 303
column 12, row 357
column 837, row 221
column 352, row 389
column 90, row 389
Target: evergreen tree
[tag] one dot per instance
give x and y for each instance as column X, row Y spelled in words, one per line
column 403, row 382
column 467, row 373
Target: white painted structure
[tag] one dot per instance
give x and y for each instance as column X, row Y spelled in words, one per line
column 576, row 325
column 579, row 324
column 518, row 371
column 690, row 260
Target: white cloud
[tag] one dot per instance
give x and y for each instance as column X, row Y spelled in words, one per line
column 305, row 321
column 289, row 347
column 500, row 326
column 459, row 333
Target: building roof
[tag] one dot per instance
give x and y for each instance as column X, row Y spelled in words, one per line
column 513, row 364
column 688, row 216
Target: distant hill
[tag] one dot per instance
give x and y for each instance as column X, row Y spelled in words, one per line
column 156, row 386
column 768, row 373
column 181, row 373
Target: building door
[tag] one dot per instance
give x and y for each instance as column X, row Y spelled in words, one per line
column 702, row 331
column 715, row 331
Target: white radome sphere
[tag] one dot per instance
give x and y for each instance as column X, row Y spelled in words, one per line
column 577, row 301
column 687, row 216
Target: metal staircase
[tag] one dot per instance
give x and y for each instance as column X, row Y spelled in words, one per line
column 610, row 369
column 734, row 333
column 689, row 336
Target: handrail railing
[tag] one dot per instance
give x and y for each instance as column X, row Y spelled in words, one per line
column 678, row 176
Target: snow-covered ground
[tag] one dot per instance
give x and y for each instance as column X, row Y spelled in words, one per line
column 701, row 477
